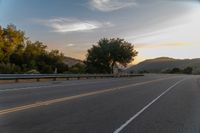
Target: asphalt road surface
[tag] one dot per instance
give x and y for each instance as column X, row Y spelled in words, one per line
column 149, row 104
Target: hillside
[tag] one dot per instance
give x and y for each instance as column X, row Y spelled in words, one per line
column 72, row 61
column 163, row 63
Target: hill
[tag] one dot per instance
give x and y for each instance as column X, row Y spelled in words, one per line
column 72, row 61
column 162, row 64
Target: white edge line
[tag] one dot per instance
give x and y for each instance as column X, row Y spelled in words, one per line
column 144, row 108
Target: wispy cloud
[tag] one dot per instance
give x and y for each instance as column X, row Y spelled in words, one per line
column 64, row 25
column 70, row 45
column 111, row 5
column 184, row 29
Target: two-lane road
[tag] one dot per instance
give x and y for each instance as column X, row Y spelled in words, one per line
column 149, row 104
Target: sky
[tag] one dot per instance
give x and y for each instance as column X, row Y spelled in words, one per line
column 156, row 28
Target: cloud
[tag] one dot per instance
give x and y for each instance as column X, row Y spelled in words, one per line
column 70, row 45
column 64, row 25
column 184, row 29
column 111, row 5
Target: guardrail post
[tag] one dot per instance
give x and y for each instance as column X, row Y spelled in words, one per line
column 16, row 80
column 67, row 77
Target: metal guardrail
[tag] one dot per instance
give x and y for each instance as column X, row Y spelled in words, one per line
column 54, row 77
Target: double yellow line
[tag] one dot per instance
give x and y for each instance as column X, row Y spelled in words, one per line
column 58, row 100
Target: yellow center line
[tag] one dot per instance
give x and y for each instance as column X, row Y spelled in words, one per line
column 58, row 100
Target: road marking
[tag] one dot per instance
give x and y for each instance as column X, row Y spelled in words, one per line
column 51, row 86
column 146, row 107
column 58, row 100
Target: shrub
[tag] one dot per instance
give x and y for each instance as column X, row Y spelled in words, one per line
column 8, row 68
column 77, row 68
column 175, row 70
column 188, row 70
column 33, row 71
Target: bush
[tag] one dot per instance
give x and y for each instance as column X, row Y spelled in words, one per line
column 77, row 68
column 196, row 71
column 188, row 70
column 33, row 71
column 176, row 70
column 8, row 68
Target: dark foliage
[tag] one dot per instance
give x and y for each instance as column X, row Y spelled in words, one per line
column 102, row 58
column 20, row 55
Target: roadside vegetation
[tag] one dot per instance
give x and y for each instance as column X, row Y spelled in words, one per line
column 18, row 54
column 176, row 70
column 187, row 70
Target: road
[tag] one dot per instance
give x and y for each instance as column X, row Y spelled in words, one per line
column 148, row 104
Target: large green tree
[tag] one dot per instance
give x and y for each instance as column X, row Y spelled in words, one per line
column 10, row 38
column 102, row 58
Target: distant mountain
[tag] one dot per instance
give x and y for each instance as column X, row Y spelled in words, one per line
column 163, row 63
column 72, row 61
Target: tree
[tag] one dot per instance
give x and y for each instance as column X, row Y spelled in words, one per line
column 10, row 38
column 56, row 59
column 32, row 53
column 102, row 58
column 17, row 57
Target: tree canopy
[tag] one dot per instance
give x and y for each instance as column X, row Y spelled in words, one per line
column 102, row 58
column 19, row 55
column 10, row 38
